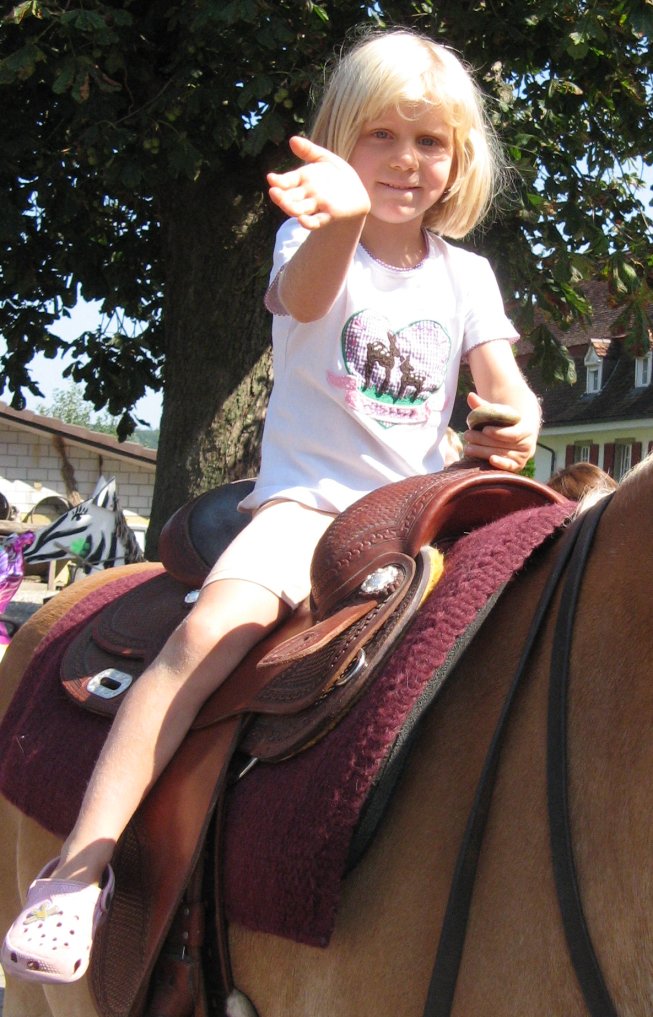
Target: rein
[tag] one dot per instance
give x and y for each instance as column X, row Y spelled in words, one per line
column 574, row 551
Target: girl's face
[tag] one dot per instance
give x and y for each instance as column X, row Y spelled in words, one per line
column 404, row 159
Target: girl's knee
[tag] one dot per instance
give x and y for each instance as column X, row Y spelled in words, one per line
column 201, row 629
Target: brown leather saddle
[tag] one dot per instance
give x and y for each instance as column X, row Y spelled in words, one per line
column 370, row 572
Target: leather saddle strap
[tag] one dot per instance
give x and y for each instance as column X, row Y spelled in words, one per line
column 579, row 943
column 178, row 983
column 175, row 814
column 439, row 1000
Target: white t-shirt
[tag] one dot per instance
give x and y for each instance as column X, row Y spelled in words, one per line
column 363, row 396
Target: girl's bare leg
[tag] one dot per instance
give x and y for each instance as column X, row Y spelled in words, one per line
column 230, row 617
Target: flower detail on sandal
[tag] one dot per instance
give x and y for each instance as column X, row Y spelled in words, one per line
column 45, row 910
column 51, row 939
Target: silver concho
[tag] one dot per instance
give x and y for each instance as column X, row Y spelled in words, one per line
column 381, row 581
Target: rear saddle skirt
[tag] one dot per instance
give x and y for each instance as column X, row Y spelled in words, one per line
column 371, row 571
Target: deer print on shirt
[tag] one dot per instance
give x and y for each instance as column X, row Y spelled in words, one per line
column 383, row 355
column 393, row 374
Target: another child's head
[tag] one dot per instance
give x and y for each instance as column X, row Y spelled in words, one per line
column 580, row 479
column 403, row 70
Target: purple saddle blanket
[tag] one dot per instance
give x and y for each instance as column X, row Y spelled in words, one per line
column 290, row 825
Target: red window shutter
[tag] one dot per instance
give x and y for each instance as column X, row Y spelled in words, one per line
column 650, row 447
column 569, row 455
column 608, row 457
column 636, row 453
column 594, row 454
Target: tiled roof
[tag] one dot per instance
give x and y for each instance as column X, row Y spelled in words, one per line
column 605, row 312
column 562, row 403
column 618, row 398
column 600, row 346
column 77, row 435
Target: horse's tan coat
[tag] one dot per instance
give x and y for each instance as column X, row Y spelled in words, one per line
column 515, row 963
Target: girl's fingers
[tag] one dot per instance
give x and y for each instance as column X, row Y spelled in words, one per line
column 306, row 150
column 295, row 202
column 314, row 221
column 293, row 178
column 503, row 463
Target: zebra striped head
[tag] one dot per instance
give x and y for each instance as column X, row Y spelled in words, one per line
column 94, row 534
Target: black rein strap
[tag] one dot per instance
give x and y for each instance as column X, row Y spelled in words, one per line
column 579, row 943
column 574, row 546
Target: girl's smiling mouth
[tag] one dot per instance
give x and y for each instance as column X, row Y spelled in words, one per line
column 403, row 188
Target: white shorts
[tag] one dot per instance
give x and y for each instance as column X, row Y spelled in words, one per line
column 275, row 550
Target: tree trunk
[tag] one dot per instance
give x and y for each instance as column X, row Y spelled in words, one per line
column 218, row 236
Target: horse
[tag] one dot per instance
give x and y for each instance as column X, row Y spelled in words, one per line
column 515, row 959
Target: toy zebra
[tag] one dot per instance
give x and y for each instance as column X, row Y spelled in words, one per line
column 94, row 534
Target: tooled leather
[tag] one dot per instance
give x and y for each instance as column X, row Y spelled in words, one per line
column 272, row 738
column 300, row 682
column 304, row 643
column 126, row 635
column 405, row 516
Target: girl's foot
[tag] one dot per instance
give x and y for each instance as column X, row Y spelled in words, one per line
column 51, row 939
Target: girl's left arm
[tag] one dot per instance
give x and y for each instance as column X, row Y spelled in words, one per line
column 499, row 381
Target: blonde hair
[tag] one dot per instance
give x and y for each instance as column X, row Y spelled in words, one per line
column 399, row 68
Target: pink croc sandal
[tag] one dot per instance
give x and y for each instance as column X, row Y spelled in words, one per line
column 51, row 939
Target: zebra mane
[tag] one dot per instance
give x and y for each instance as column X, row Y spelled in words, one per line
column 124, row 533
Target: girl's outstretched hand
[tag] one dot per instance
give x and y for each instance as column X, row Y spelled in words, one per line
column 506, row 445
column 323, row 190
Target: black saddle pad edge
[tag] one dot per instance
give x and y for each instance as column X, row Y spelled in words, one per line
column 389, row 773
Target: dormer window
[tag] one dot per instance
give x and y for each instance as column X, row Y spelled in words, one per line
column 643, row 370
column 594, row 365
column 594, row 379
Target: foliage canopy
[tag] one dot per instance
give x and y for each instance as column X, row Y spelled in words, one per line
column 116, row 112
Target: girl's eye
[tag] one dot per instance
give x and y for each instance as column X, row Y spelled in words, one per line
column 380, row 132
column 429, row 142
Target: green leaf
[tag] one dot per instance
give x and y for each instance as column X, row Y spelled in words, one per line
column 65, row 77
column 21, row 11
column 20, row 65
column 84, row 20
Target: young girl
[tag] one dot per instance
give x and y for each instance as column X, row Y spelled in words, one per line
column 373, row 312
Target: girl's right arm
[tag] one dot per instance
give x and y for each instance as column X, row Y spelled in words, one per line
column 327, row 197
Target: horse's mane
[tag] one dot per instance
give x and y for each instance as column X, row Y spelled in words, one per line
column 627, row 489
column 630, row 488
column 635, row 473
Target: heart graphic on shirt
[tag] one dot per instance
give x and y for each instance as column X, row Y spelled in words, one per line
column 400, row 366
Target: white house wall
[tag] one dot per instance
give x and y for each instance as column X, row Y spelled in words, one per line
column 32, row 458
column 551, row 451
